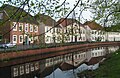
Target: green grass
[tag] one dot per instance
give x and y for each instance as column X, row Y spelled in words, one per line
column 110, row 68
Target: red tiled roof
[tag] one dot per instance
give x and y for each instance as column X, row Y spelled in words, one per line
column 94, row 60
column 65, row 66
column 48, row 70
column 93, row 25
column 47, row 20
column 67, row 21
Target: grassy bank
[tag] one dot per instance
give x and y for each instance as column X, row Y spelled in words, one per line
column 110, row 68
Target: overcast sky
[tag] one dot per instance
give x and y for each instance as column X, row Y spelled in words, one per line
column 86, row 14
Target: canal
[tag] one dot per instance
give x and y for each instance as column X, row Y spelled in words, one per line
column 63, row 66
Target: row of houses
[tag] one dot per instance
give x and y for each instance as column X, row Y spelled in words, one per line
column 17, row 26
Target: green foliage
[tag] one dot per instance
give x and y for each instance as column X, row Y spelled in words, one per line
column 15, row 14
column 115, row 28
column 47, row 7
column 108, row 69
column 106, row 12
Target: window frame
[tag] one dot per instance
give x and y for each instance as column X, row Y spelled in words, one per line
column 14, row 26
column 31, row 28
column 26, row 28
column 21, row 26
column 13, row 38
column 20, row 39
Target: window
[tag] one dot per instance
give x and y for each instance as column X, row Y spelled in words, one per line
column 26, row 27
column 20, row 26
column 21, row 70
column 14, row 27
column 31, row 28
column 27, row 68
column 36, row 28
column 15, row 72
column 14, row 38
column 92, row 32
column 47, row 38
column 47, row 29
column 95, row 54
column 32, row 67
column 83, row 38
column 21, row 39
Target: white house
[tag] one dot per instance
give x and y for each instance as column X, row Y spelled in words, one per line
column 113, row 36
column 73, row 30
column 49, row 28
column 94, row 31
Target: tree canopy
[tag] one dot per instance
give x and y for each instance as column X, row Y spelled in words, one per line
column 105, row 12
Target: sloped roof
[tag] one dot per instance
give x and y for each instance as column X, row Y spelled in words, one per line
column 93, row 25
column 17, row 14
column 65, row 22
column 65, row 66
column 48, row 70
column 47, row 20
column 95, row 60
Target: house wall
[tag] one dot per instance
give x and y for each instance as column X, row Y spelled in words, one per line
column 27, row 32
column 113, row 36
column 5, row 28
column 42, row 30
column 75, row 33
column 48, row 34
column 100, row 51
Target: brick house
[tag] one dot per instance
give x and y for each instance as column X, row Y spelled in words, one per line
column 17, row 26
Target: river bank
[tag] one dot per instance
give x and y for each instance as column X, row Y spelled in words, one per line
column 110, row 68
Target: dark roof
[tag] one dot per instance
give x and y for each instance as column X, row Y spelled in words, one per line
column 93, row 25
column 65, row 66
column 47, row 20
column 95, row 60
column 17, row 14
column 48, row 70
column 65, row 22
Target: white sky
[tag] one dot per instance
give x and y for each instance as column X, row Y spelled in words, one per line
column 86, row 14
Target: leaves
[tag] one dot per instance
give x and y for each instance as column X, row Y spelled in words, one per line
column 104, row 10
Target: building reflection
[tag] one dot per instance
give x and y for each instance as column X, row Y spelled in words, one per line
column 81, row 60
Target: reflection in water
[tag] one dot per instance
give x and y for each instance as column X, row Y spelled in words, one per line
column 78, row 62
column 63, row 66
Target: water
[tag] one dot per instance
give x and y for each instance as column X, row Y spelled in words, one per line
column 63, row 66
column 72, row 73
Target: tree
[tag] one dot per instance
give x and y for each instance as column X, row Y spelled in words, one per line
column 106, row 12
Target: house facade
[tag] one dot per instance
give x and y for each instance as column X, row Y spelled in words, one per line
column 113, row 36
column 73, row 30
column 95, row 31
column 18, row 30
column 49, row 29
column 24, row 33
